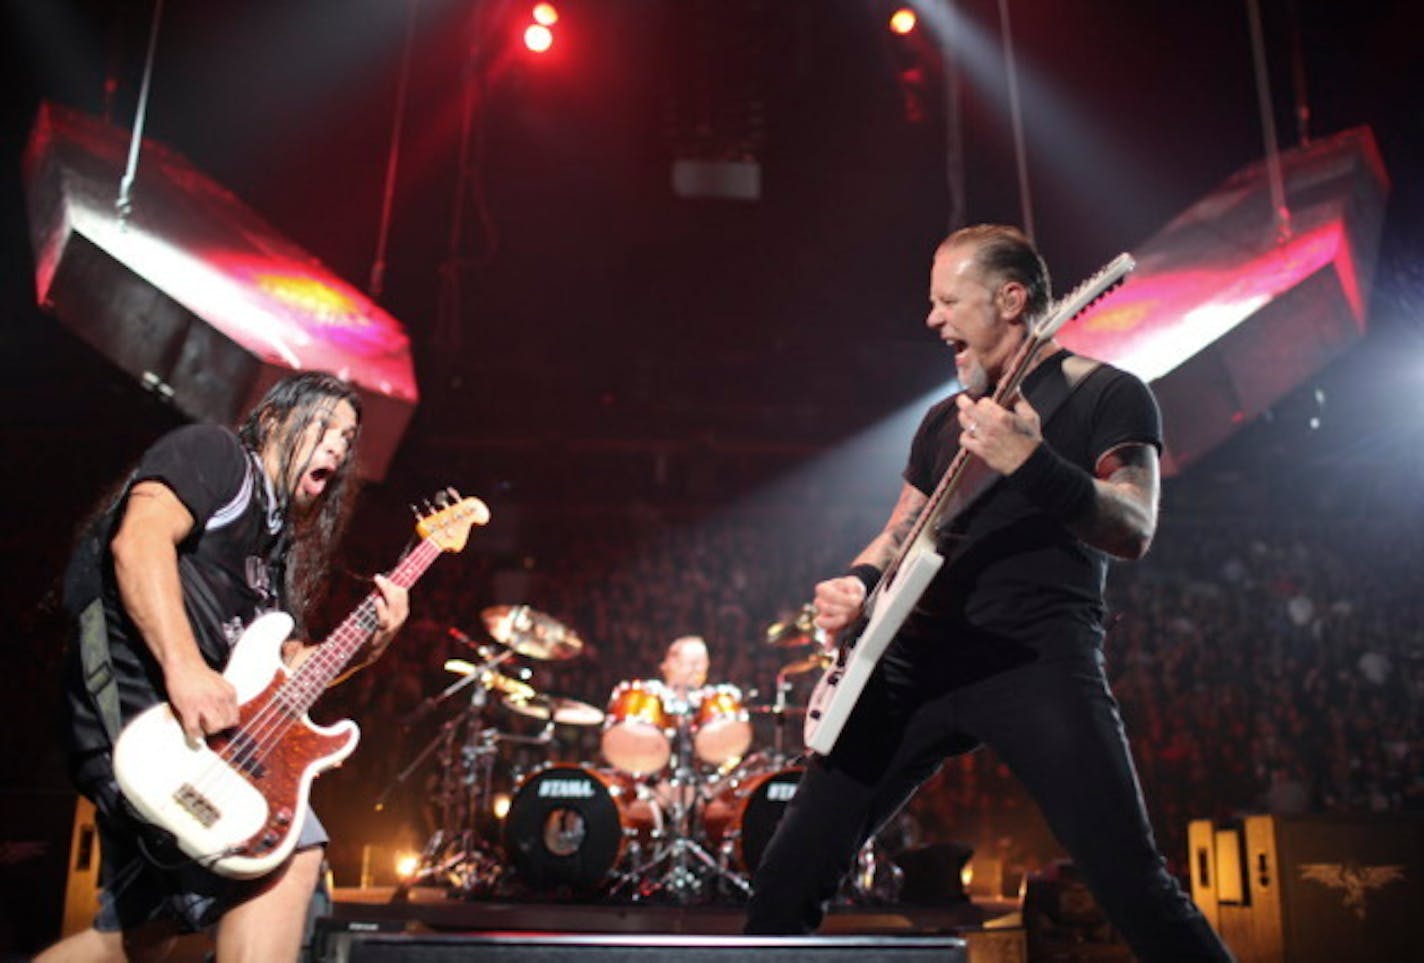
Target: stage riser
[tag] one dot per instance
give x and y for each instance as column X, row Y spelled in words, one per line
column 377, row 948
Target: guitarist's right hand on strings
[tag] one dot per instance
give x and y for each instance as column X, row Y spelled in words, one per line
column 202, row 699
column 837, row 602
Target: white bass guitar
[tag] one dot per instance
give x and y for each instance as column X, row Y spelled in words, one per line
column 235, row 802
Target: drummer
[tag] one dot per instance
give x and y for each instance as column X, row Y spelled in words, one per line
column 684, row 670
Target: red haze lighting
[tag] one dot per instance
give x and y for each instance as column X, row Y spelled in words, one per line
column 545, row 14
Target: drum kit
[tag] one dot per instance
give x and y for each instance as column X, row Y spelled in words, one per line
column 681, row 812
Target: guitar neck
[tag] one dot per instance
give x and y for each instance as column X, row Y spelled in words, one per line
column 307, row 684
column 930, row 516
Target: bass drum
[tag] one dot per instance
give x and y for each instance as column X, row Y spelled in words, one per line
column 569, row 827
column 744, row 812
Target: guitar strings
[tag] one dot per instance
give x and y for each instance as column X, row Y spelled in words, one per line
column 254, row 741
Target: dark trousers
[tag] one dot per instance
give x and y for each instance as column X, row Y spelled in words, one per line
column 1054, row 722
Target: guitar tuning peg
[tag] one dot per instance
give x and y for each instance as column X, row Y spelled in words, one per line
column 454, row 495
column 442, row 499
column 415, row 511
column 429, row 508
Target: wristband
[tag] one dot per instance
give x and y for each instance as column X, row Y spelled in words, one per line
column 1055, row 484
column 868, row 574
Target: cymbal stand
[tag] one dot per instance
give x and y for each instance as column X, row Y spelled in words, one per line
column 687, row 867
column 455, row 854
column 779, row 755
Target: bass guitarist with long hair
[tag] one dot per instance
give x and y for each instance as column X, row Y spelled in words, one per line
column 212, row 529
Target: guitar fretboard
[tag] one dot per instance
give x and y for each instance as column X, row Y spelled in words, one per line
column 306, row 685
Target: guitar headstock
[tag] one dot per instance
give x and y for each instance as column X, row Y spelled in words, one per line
column 1076, row 301
column 448, row 522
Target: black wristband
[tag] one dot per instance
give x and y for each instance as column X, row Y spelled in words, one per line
column 1055, row 484
column 868, row 574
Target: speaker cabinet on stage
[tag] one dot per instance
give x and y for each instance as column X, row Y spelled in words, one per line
column 1311, row 889
column 49, row 860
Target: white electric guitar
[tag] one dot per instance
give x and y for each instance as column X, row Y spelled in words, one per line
column 905, row 580
column 235, row 802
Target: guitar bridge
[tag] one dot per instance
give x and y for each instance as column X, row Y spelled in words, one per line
column 197, row 805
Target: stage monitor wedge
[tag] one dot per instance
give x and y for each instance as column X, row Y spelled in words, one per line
column 194, row 294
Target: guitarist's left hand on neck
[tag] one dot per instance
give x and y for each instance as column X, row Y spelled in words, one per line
column 392, row 607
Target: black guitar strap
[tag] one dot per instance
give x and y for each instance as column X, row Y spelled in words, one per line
column 1047, row 399
column 1050, row 394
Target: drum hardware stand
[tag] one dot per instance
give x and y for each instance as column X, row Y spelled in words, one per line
column 688, row 865
column 455, row 853
column 876, row 879
column 778, row 714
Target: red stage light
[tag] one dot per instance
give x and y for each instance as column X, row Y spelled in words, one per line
column 545, row 14
column 902, row 21
column 538, row 38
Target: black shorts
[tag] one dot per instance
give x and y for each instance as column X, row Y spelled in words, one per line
column 141, row 884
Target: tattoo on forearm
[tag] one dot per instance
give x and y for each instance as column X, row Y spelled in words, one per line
column 885, row 546
column 1124, row 515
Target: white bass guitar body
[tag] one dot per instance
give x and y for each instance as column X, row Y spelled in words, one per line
column 234, row 802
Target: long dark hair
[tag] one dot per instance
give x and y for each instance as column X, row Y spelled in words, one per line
column 281, row 418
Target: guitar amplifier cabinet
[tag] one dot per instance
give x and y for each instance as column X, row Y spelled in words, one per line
column 1311, row 889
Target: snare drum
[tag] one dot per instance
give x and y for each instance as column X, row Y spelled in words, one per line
column 743, row 813
column 569, row 827
column 722, row 730
column 634, row 729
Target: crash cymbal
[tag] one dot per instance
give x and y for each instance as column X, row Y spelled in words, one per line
column 798, row 630
column 816, row 660
column 492, row 680
column 530, row 633
column 569, row 712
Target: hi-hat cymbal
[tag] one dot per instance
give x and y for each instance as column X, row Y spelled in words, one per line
column 530, row 633
column 569, row 712
column 798, row 630
column 492, row 680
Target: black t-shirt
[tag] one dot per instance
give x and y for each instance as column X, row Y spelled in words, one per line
column 228, row 566
column 1019, row 578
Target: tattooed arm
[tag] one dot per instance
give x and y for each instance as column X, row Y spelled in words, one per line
column 1123, row 517
column 838, row 600
column 1114, row 509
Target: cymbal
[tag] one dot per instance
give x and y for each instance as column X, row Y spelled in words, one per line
column 569, row 712
column 816, row 660
column 492, row 680
column 530, row 633
column 798, row 630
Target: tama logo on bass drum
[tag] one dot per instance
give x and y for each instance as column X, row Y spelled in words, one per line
column 566, row 789
column 781, row 791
